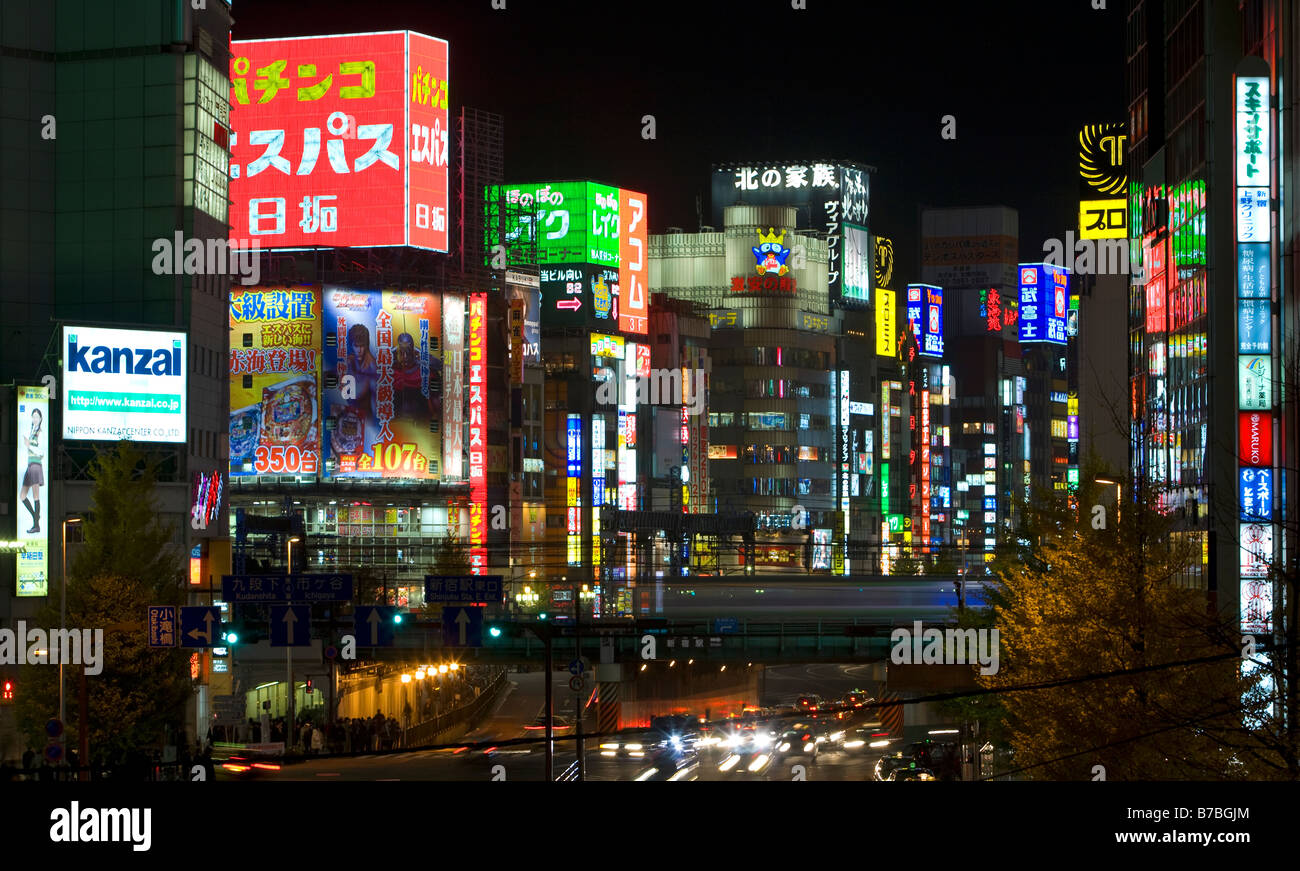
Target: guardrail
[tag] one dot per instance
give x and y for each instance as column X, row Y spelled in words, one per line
column 428, row 731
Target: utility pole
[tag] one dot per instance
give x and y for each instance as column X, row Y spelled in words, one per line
column 577, row 698
column 550, row 710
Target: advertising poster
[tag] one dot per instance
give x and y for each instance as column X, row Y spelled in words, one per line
column 453, row 361
column 33, row 438
column 383, row 416
column 275, row 419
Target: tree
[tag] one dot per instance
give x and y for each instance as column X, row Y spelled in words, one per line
column 1145, row 679
column 126, row 564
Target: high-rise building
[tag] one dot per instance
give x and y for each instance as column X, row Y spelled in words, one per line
column 1212, row 313
column 113, row 170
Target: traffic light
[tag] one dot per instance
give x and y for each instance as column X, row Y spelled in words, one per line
column 7, row 696
column 309, row 686
column 231, row 634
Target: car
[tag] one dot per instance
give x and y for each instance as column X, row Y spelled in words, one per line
column 559, row 726
column 751, row 759
column 886, row 765
column 246, row 767
column 855, row 699
column 911, row 774
column 810, row 702
column 671, row 764
column 862, row 739
column 631, row 745
column 800, row 740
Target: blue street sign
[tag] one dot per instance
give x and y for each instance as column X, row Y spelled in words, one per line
column 462, row 627
column 725, row 625
column 162, row 625
column 577, row 667
column 463, row 588
column 200, row 626
column 53, row 752
column 290, row 625
column 286, row 588
column 54, row 729
column 373, row 625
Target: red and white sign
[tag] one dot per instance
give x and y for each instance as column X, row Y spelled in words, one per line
column 340, row 141
column 634, row 271
column 477, row 334
column 1256, row 438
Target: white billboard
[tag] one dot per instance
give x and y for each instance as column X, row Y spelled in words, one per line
column 124, row 385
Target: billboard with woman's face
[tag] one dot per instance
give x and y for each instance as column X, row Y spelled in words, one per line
column 383, row 356
column 33, row 528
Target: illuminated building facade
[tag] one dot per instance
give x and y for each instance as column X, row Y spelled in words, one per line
column 1209, row 205
column 791, row 421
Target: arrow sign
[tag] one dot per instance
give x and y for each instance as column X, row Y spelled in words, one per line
column 570, row 304
column 462, row 627
column 197, row 626
column 373, row 625
column 290, row 625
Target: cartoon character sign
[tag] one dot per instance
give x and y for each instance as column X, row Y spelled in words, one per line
column 770, row 254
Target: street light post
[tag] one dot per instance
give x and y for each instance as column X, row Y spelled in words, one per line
column 63, row 612
column 289, row 724
column 1119, row 497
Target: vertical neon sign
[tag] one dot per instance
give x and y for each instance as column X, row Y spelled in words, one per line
column 1254, row 326
column 477, row 433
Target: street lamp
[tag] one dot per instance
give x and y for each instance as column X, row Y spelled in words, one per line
column 63, row 609
column 288, row 550
column 1118, row 494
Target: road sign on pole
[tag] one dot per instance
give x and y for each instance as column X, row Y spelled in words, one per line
column 463, row 588
column 200, row 626
column 462, row 627
column 286, row 588
column 373, row 625
column 575, row 683
column 290, row 625
column 162, row 625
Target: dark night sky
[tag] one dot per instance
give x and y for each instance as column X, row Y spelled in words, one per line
column 866, row 81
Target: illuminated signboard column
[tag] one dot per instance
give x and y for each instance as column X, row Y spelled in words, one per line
column 1256, row 354
column 478, row 433
column 844, row 461
column 33, row 450
column 634, row 268
column 573, row 490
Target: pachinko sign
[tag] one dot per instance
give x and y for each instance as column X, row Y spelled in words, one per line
column 383, row 414
column 477, row 364
column 340, row 141
column 275, row 420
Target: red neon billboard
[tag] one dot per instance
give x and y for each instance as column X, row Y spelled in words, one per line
column 1256, row 435
column 340, row 141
